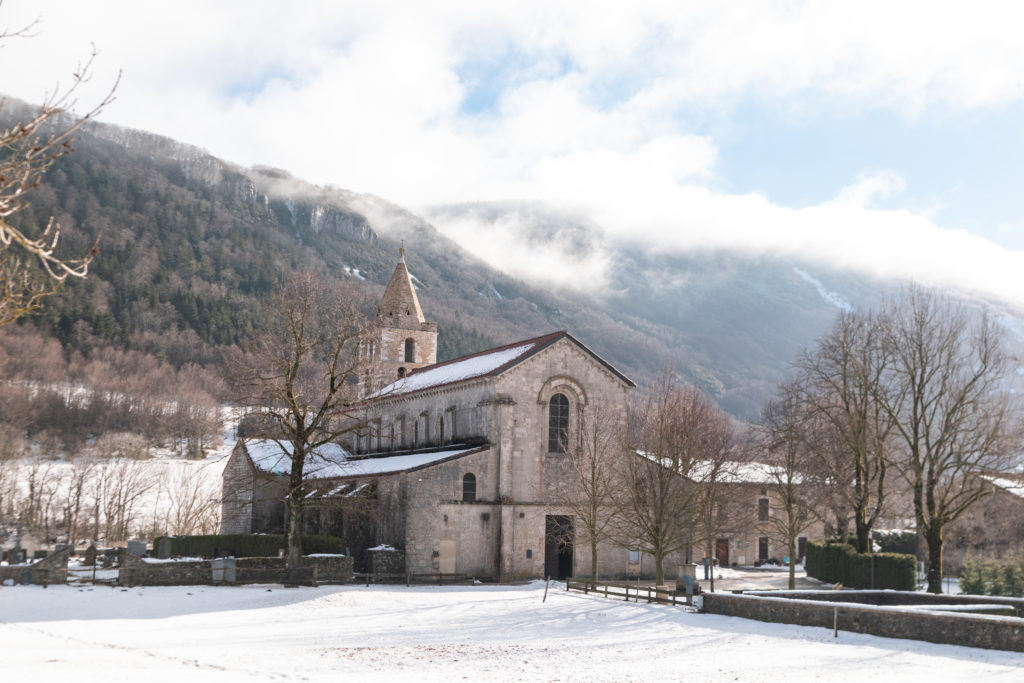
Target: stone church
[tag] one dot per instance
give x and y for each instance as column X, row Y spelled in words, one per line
column 460, row 460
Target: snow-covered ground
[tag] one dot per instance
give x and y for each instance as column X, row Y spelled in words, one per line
column 490, row 633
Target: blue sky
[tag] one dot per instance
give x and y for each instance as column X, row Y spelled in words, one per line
column 881, row 137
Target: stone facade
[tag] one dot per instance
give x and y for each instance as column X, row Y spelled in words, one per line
column 460, row 462
column 405, row 341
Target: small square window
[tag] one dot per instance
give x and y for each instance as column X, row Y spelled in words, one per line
column 529, row 554
column 634, row 557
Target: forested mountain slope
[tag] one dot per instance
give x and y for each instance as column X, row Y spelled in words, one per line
column 189, row 244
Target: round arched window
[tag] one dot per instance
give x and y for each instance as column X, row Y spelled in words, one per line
column 469, row 487
column 558, row 424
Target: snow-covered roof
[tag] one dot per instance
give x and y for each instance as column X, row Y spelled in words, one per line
column 389, row 464
column 458, row 370
column 269, row 456
column 482, row 364
column 754, row 473
column 332, row 461
column 1012, row 486
column 732, row 472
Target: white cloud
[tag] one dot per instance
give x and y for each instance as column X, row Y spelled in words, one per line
column 589, row 112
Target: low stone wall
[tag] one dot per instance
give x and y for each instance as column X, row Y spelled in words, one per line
column 51, row 569
column 323, row 568
column 386, row 562
column 992, row 632
column 887, row 598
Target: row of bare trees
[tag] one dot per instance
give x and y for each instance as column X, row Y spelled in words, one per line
column 648, row 480
column 913, row 401
column 78, row 399
column 105, row 499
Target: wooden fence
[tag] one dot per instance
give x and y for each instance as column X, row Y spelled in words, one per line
column 625, row 591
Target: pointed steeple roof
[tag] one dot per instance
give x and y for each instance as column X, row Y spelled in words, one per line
column 400, row 296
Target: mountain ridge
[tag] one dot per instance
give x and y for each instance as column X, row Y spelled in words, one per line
column 191, row 243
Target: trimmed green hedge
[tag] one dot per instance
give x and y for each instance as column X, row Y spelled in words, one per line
column 248, row 545
column 834, row 562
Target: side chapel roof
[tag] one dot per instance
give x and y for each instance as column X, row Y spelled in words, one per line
column 331, row 461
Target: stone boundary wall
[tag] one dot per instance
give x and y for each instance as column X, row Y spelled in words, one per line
column 992, row 632
column 890, row 598
column 387, row 562
column 51, row 569
column 326, row 568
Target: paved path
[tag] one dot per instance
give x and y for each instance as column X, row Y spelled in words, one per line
column 749, row 578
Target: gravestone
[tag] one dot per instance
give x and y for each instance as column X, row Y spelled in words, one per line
column 90, row 555
column 137, row 548
column 163, row 548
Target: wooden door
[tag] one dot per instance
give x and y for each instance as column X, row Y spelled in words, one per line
column 446, row 557
column 722, row 552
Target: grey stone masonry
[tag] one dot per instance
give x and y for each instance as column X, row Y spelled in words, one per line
column 138, row 572
column 971, row 630
column 51, row 569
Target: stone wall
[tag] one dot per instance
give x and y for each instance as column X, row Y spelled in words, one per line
column 387, row 562
column 51, row 569
column 998, row 633
column 326, row 568
column 889, row 598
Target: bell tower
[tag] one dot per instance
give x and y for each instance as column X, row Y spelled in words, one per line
column 406, row 341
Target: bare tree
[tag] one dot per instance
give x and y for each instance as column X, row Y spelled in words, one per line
column 587, row 483
column 127, row 483
column 671, row 433
column 27, row 149
column 788, row 459
column 846, row 426
column 953, row 415
column 193, row 505
column 301, row 371
column 713, row 508
column 82, row 470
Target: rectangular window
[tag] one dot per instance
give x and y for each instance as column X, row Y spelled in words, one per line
column 762, row 509
column 634, row 557
column 762, row 548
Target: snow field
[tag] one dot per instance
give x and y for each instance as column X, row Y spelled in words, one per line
column 429, row 633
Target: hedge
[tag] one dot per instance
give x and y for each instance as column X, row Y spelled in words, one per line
column 247, row 545
column 834, row 562
column 993, row 577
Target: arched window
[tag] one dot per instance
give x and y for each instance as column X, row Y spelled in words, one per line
column 558, row 424
column 469, row 488
column 410, row 350
column 401, row 373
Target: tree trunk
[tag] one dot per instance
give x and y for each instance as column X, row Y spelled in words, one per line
column 933, row 536
column 293, row 533
column 659, row 569
column 593, row 563
column 711, row 564
column 792, row 563
column 863, row 529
